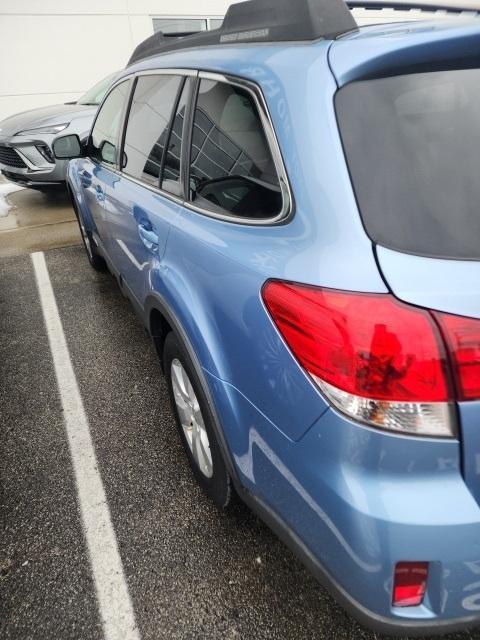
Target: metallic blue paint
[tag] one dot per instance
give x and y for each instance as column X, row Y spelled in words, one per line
column 445, row 285
column 362, row 500
column 395, row 47
column 470, row 417
column 358, row 499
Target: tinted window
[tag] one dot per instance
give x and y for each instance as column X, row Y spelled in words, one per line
column 105, row 133
column 412, row 145
column 232, row 168
column 147, row 130
column 171, row 178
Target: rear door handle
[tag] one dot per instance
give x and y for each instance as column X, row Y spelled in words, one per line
column 99, row 193
column 148, row 236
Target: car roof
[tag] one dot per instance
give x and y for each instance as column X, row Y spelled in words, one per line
column 378, row 49
column 395, row 48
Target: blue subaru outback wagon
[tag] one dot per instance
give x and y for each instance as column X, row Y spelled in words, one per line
column 292, row 204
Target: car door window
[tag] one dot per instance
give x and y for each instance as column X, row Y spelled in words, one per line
column 231, row 166
column 148, row 125
column 105, row 133
column 172, row 169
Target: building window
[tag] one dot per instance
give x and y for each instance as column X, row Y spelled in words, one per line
column 185, row 25
column 215, row 23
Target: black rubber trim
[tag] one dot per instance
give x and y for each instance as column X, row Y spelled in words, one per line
column 188, row 137
column 183, row 80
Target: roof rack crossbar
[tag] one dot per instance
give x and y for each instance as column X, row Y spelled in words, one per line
column 263, row 21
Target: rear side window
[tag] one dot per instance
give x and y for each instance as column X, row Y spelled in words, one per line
column 148, row 122
column 231, row 166
column 413, row 148
column 105, row 133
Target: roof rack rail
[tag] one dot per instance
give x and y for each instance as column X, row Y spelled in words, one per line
column 262, row 21
column 158, row 41
column 450, row 6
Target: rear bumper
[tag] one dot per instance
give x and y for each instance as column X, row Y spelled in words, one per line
column 352, row 502
column 368, row 618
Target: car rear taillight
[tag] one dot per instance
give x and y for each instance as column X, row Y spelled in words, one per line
column 376, row 359
column 462, row 336
column 409, row 584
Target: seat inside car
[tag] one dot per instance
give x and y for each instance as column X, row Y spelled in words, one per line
column 244, row 128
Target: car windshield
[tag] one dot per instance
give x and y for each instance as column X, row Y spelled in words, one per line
column 95, row 95
column 413, row 149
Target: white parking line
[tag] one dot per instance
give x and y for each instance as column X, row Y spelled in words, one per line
column 115, row 607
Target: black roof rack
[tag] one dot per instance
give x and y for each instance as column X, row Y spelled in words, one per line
column 262, row 21
column 288, row 20
column 155, row 44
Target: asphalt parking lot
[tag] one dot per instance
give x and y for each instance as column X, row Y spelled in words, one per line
column 191, row 571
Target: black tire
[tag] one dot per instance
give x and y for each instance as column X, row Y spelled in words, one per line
column 96, row 261
column 218, row 486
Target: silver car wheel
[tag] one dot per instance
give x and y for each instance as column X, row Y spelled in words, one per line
column 191, row 418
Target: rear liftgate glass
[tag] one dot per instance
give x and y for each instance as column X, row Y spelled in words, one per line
column 412, row 145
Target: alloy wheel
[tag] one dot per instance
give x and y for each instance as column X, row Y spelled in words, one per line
column 191, row 418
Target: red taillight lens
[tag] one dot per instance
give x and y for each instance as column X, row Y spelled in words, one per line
column 462, row 336
column 376, row 359
column 367, row 345
column 409, row 584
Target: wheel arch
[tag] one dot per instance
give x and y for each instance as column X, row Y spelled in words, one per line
column 160, row 320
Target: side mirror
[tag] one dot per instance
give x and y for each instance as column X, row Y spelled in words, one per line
column 108, row 152
column 67, row 147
